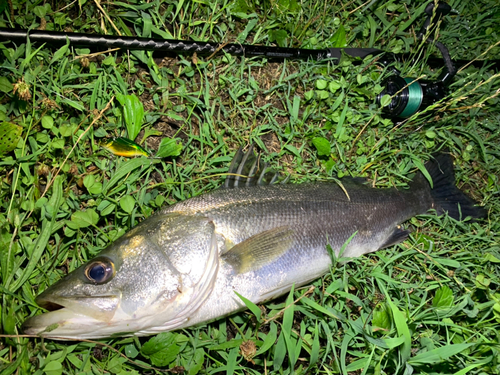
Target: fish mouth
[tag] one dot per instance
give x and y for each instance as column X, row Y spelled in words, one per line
column 71, row 317
column 49, row 305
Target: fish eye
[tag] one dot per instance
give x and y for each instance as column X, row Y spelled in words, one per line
column 100, row 270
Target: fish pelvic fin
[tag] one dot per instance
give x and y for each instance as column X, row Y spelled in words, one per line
column 446, row 197
column 399, row 235
column 259, row 250
column 246, row 169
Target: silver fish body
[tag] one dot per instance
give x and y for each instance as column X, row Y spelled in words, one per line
column 309, row 217
column 181, row 266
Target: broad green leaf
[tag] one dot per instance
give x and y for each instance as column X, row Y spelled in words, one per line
column 321, row 84
column 196, row 363
column 334, row 86
column 169, row 147
column 127, row 204
column 430, row 134
column 403, row 330
column 67, row 130
column 106, row 207
column 381, row 318
column 93, row 186
column 57, row 143
column 394, row 342
column 241, row 9
column 438, row 355
column 110, row 61
column 490, row 258
column 278, row 36
column 443, row 298
column 251, row 306
column 5, row 85
column 9, row 137
column 42, row 10
column 114, row 366
column 322, row 94
column 385, row 100
column 131, row 351
column 338, row 40
column 53, row 368
column 161, row 349
column 147, row 25
column 133, row 113
column 83, row 219
column 47, row 122
column 322, row 145
column 482, row 282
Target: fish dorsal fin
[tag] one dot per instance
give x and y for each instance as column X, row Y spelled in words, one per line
column 259, row 250
column 246, row 169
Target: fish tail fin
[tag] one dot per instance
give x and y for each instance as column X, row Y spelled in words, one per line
column 446, row 197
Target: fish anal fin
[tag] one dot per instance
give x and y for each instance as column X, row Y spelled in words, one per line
column 399, row 235
column 259, row 250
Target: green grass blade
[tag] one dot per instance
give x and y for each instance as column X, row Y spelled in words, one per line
column 42, row 240
column 269, row 340
column 123, row 170
column 401, row 325
column 439, row 354
column 251, row 306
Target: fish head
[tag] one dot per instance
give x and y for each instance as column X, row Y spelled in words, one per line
column 150, row 280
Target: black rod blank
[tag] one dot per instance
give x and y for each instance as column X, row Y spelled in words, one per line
column 176, row 46
column 55, row 38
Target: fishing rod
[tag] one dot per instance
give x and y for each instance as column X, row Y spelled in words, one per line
column 408, row 95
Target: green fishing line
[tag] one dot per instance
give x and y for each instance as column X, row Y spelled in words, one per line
column 415, row 96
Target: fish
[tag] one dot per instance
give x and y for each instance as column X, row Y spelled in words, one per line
column 255, row 236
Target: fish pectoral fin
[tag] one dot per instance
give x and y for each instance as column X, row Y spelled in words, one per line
column 259, row 250
column 399, row 235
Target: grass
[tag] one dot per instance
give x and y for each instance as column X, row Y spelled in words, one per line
column 429, row 305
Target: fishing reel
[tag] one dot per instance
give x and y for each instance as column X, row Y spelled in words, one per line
column 407, row 94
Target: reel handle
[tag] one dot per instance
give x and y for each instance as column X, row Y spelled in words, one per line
column 432, row 11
